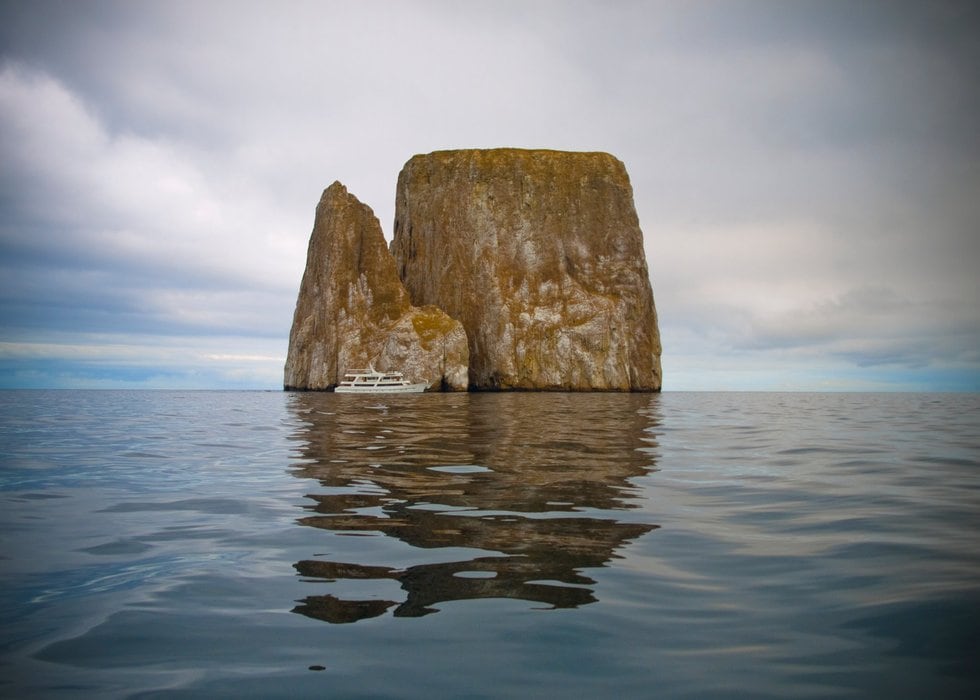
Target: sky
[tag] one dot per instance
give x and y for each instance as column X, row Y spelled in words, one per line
column 806, row 174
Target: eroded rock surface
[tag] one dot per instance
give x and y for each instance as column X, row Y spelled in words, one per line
column 540, row 255
column 352, row 309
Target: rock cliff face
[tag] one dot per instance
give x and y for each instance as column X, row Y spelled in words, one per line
column 352, row 309
column 539, row 254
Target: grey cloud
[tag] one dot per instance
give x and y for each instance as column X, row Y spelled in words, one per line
column 164, row 158
column 874, row 326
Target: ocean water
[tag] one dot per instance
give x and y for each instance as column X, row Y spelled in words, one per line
column 681, row 545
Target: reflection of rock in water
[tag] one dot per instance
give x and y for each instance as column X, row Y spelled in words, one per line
column 545, row 457
column 427, row 584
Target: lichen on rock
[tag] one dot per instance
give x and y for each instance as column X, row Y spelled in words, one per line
column 540, row 255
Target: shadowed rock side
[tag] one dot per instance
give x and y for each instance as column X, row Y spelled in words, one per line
column 352, row 309
column 540, row 255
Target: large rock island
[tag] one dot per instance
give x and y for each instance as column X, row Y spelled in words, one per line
column 353, row 311
column 540, row 255
column 509, row 269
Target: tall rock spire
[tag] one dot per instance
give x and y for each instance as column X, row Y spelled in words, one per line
column 352, row 310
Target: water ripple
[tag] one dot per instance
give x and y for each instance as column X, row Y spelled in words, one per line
column 219, row 544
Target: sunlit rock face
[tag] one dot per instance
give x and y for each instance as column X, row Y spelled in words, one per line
column 540, row 255
column 352, row 309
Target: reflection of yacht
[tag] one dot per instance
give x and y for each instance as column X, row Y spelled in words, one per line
column 370, row 381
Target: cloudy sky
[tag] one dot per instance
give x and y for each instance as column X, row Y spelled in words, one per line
column 807, row 174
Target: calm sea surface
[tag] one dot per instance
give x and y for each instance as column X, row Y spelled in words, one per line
column 683, row 545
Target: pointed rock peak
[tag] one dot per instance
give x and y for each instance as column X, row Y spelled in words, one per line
column 353, row 310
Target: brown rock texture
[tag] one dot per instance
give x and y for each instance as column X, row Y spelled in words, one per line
column 352, row 310
column 540, row 255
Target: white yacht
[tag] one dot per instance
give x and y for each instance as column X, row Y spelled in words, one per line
column 370, row 381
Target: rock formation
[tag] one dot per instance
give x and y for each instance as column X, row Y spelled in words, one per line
column 352, row 309
column 540, row 255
